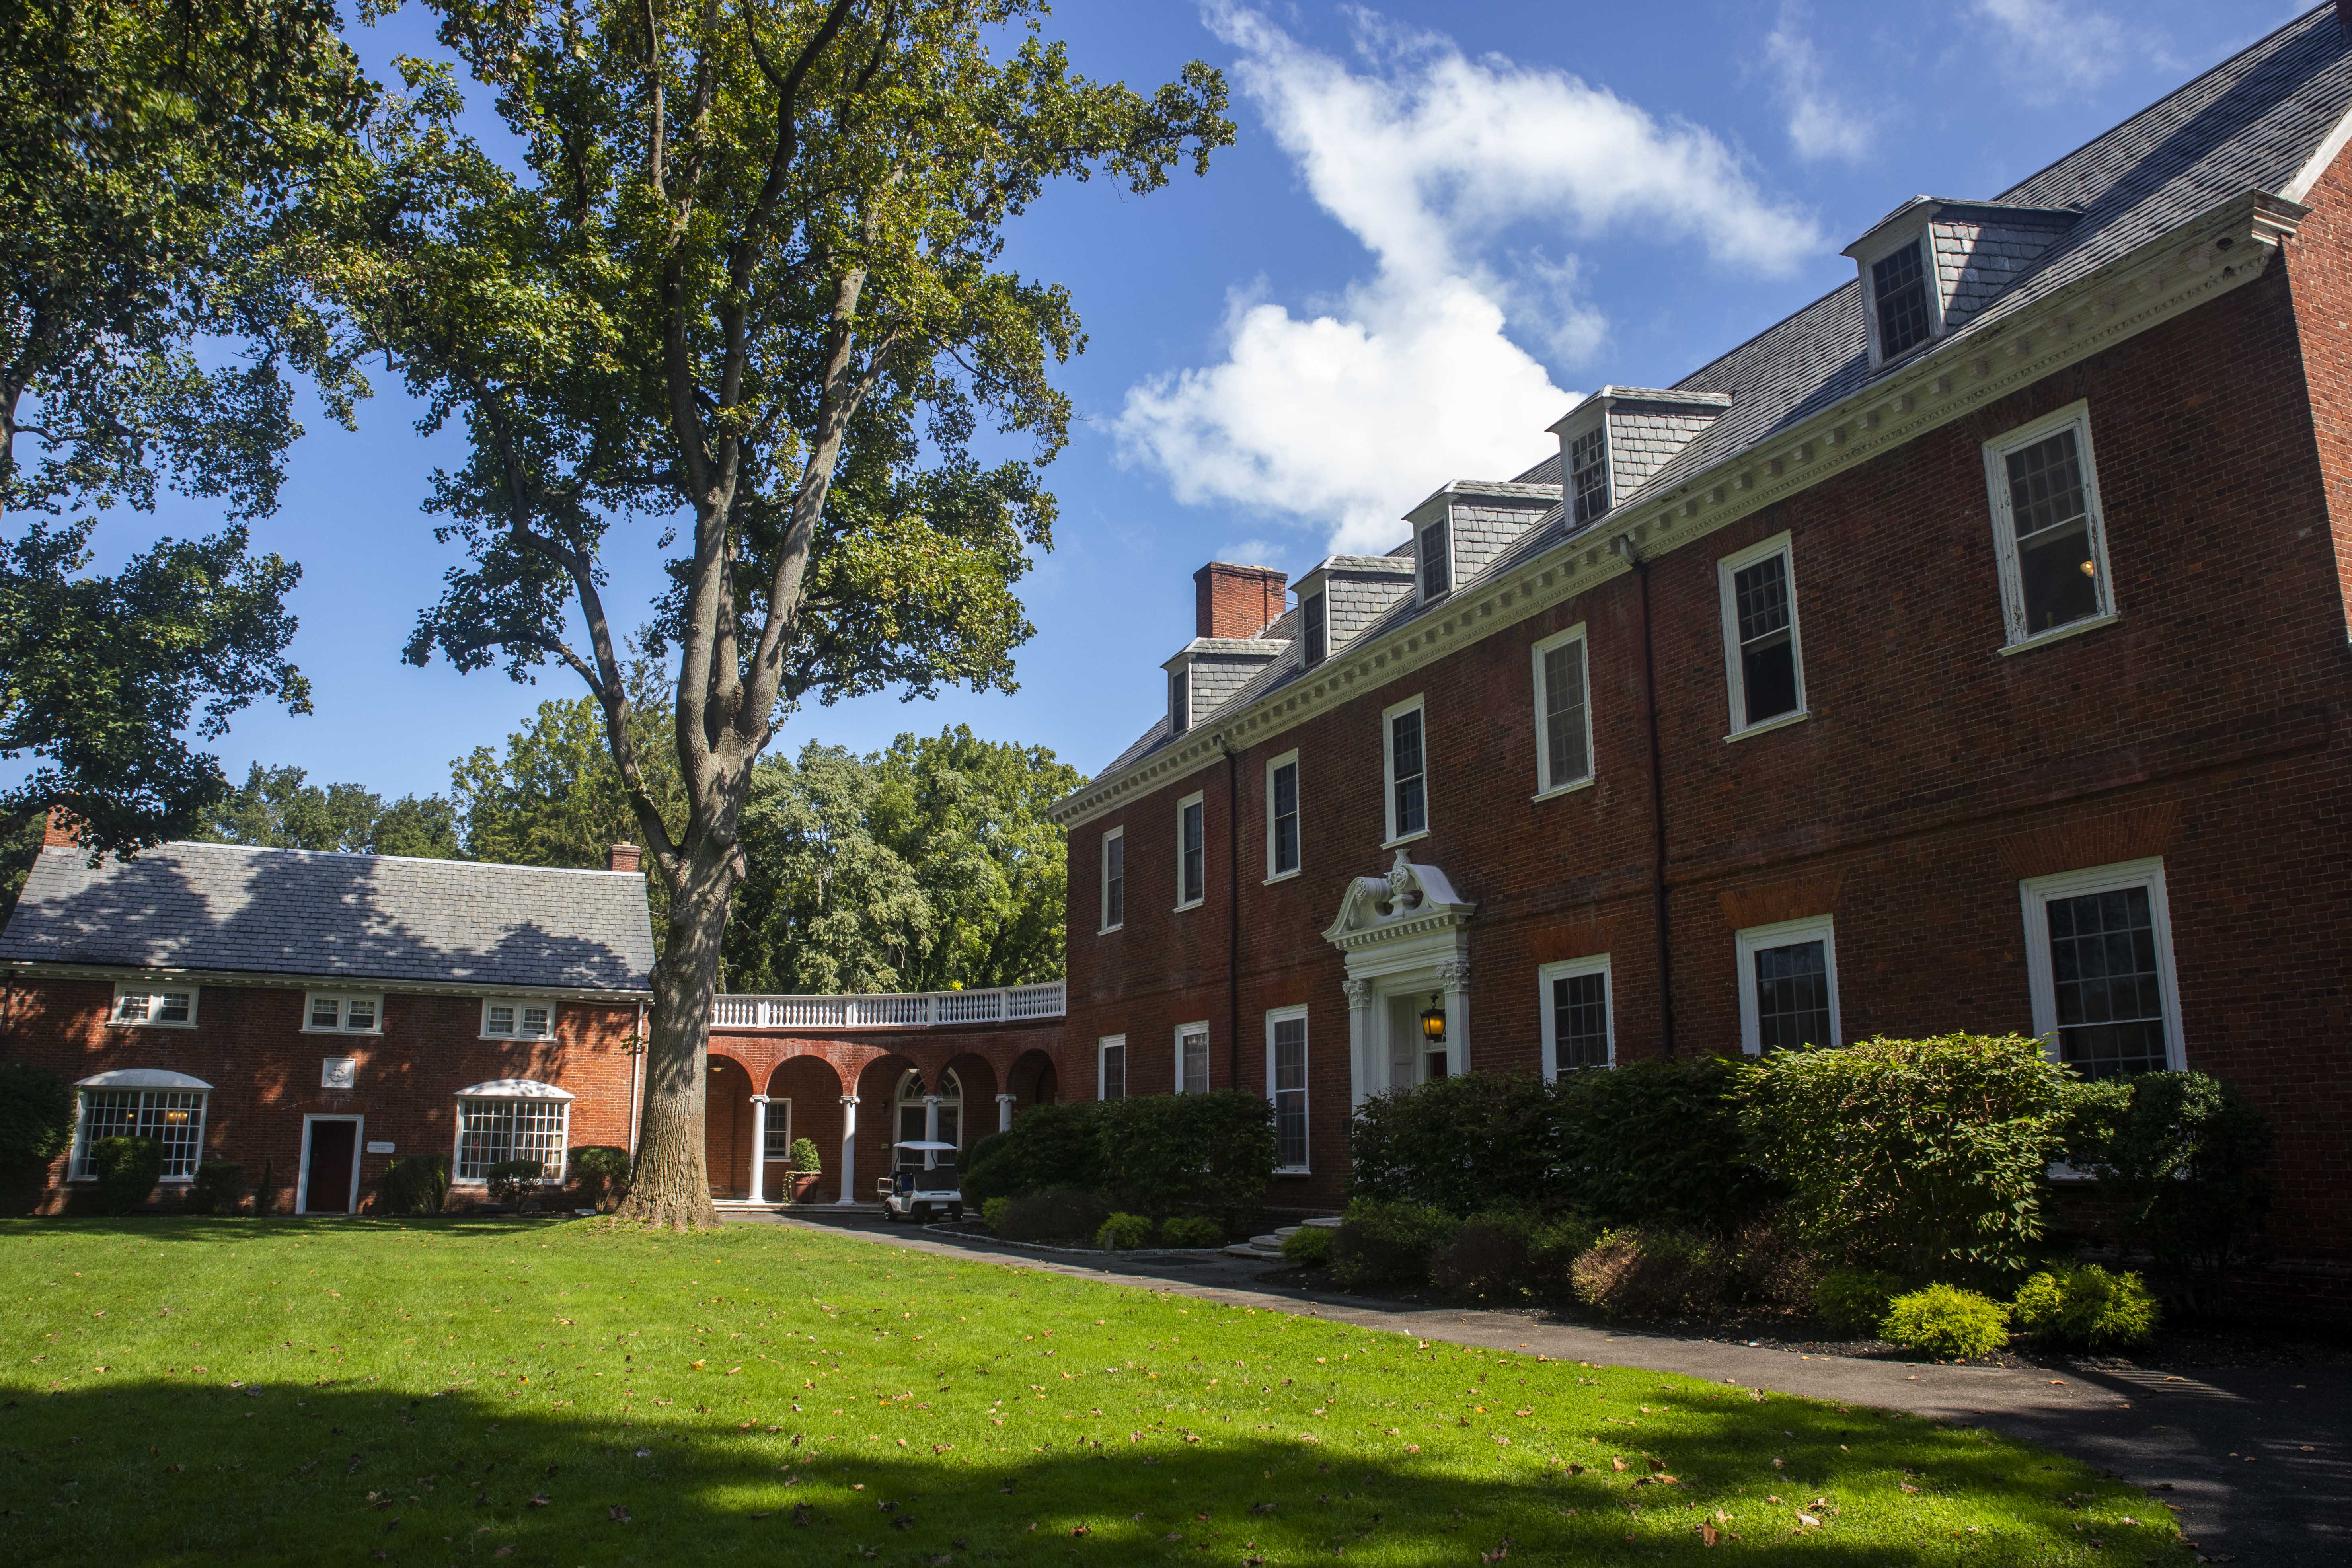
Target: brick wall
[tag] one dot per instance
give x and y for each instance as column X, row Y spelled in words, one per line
column 1236, row 601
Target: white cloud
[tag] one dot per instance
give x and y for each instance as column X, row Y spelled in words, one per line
column 2049, row 45
column 1820, row 125
column 1442, row 166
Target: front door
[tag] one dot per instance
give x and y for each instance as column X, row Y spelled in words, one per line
column 327, row 1175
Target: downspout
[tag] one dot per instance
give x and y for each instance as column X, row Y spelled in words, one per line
column 1624, row 547
column 1232, row 915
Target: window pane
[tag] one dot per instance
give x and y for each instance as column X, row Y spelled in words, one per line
column 780, row 1130
column 1314, row 612
column 131, row 1007
column 1404, row 759
column 174, row 1007
column 1901, row 287
column 501, row 1021
column 1579, row 1010
column 2058, row 574
column 1587, row 456
column 1291, row 1092
column 2109, row 994
column 324, row 1012
column 1792, row 996
column 1194, row 1078
column 1436, row 565
column 1286, row 818
column 534, row 1021
column 1114, row 1072
column 1564, row 737
column 1194, row 873
column 1115, row 880
column 1768, row 649
column 492, row 1130
column 359, row 1013
column 1180, row 701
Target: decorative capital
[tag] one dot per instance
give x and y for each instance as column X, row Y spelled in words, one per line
column 1008, row 1098
column 1455, row 972
column 1360, row 991
column 760, row 1099
column 849, row 1099
column 935, row 1099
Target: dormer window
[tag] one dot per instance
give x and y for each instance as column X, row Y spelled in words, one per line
column 1900, row 292
column 1179, row 701
column 1315, row 615
column 1933, row 263
column 1588, row 459
column 1436, row 560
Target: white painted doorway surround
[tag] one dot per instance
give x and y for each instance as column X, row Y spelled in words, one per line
column 1405, row 936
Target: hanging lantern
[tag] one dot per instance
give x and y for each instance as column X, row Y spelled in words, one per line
column 1432, row 1020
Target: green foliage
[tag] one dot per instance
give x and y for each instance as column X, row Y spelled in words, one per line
column 511, row 1180
column 2086, row 1308
column 1124, row 1232
column 418, row 1185
column 1947, row 1321
column 128, row 1169
column 993, row 1213
column 1854, row 1300
column 1924, row 1156
column 1208, row 1154
column 1191, row 1230
column 1455, row 1142
column 602, row 1171
column 1052, row 1213
column 219, row 1187
column 279, row 808
column 20, row 845
column 1381, row 1242
column 806, row 1157
column 36, row 1115
column 2187, row 1155
column 1047, row 1146
column 1308, row 1247
column 1651, row 1272
column 1655, row 1142
column 1488, row 1256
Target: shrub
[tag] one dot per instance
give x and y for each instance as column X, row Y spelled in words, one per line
column 602, row 1171
column 805, row 1157
column 2185, row 1153
column 510, row 1180
column 1453, row 1142
column 991, row 1213
column 1309, row 1246
column 1552, row 1252
column 1854, row 1300
column 1053, row 1214
column 128, row 1169
column 1659, row 1143
column 1488, row 1256
column 1191, row 1230
column 1124, row 1232
column 1766, row 1264
column 1188, row 1153
column 1383, row 1243
column 418, row 1185
column 2086, row 1308
column 1643, row 1272
column 36, row 1115
column 1047, row 1146
column 219, row 1187
column 1947, row 1321
column 1925, row 1156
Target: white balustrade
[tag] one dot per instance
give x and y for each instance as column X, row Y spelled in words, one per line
column 923, row 1009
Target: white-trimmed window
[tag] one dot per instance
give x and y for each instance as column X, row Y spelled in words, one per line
column 1192, row 851
column 1903, row 300
column 779, row 1128
column 154, row 1007
column 1563, row 714
column 1114, row 878
column 342, row 1012
column 2048, row 532
column 1588, row 470
column 1315, row 615
column 1787, row 986
column 1110, row 1068
column 512, row 1119
column 1579, row 1027
column 1763, row 660
column 2098, row 957
column 1179, row 699
column 1436, row 552
column 1282, row 817
column 1192, row 1059
column 1285, row 1085
column 1404, row 762
column 511, row 1019
column 166, row 1107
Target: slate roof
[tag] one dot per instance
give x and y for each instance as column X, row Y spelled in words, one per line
column 2249, row 123
column 224, row 907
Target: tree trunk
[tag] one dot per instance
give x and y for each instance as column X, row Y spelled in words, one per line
column 671, row 1187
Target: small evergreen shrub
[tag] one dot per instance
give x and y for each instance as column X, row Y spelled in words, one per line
column 1389, row 1243
column 1854, row 1300
column 417, row 1186
column 36, row 1115
column 1124, row 1232
column 219, row 1187
column 1640, row 1272
column 991, row 1213
column 2086, row 1308
column 128, row 1169
column 1308, row 1247
column 2187, row 1155
column 1488, row 1256
column 1191, row 1230
column 509, row 1181
column 1054, row 1214
column 602, row 1171
column 806, row 1160
column 1946, row 1322
column 1047, row 1146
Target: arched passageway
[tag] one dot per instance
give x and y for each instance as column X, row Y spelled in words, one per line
column 1032, row 1080
column 804, row 1101
column 727, row 1128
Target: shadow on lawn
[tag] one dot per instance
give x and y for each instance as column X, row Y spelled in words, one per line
column 163, row 1472
column 249, row 1228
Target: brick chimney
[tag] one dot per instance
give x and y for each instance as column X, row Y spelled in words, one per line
column 622, row 857
column 1237, row 601
column 58, row 833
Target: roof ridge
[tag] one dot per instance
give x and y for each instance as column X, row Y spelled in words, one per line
column 369, row 855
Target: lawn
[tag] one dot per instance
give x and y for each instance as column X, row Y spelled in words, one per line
column 291, row 1391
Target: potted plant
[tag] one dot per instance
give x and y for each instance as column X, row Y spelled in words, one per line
column 806, row 1165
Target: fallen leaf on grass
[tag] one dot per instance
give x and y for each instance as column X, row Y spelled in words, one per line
column 1707, row 1534
column 1809, row 1522
column 1081, row 1530
column 540, row 1499
column 1615, row 1463
column 618, row 1514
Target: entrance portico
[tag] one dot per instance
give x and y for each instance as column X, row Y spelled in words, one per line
column 1407, row 948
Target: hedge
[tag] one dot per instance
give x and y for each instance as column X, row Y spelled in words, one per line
column 1158, row 1155
column 2187, row 1154
column 36, row 1115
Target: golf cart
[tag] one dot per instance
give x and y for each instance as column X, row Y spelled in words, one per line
column 914, row 1191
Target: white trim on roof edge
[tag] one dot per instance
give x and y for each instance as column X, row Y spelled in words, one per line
column 2177, row 271
column 2316, row 166
column 32, row 970
column 144, row 1077
column 512, row 1088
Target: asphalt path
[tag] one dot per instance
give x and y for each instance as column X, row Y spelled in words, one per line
column 2254, row 1461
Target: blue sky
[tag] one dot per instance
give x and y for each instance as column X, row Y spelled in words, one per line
column 1441, row 223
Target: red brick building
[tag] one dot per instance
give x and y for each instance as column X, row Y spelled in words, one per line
column 1967, row 651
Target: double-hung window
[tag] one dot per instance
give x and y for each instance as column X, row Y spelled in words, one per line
column 1787, row 986
column 493, row 1129
column 2048, row 534
column 1192, row 851
column 1563, row 714
column 1436, row 558
column 1406, row 765
column 1763, row 660
column 1192, row 1059
column 1315, row 615
column 1587, row 464
column 152, row 1006
column 1898, row 288
column 1282, row 817
column 779, row 1145
column 1114, row 878
column 1179, row 701
column 510, row 1020
column 341, row 1013
column 1110, row 1068
column 1578, row 1030
column 1285, row 1085
column 172, row 1118
column 2098, row 958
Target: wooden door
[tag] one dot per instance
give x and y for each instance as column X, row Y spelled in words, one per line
column 327, row 1185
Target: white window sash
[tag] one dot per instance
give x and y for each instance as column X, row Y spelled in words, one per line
column 1186, row 1033
column 519, row 1024
column 151, row 1001
column 1191, row 898
column 1300, row 1096
column 1545, row 783
column 1274, row 872
column 341, row 1007
column 1104, row 1059
column 1445, row 528
column 140, row 1113
column 492, row 1130
column 2036, row 893
column 1787, row 934
column 1728, row 569
column 1922, row 238
column 1389, row 774
column 1116, row 835
column 1571, row 969
column 2074, row 417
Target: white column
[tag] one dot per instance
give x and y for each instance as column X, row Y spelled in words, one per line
column 931, row 1128
column 1004, row 1111
column 759, row 1148
column 1364, row 1077
column 1455, row 972
column 848, row 1148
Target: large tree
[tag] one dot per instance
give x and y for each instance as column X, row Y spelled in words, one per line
column 744, row 281
column 280, row 808
column 155, row 158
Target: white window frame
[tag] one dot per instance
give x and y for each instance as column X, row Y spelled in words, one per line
column 1274, row 765
column 1306, row 653
column 341, row 1001
column 781, row 1105
column 1757, row 939
column 1452, row 573
column 1105, row 924
column 153, row 995
column 2074, row 417
column 1307, row 1092
column 1389, row 717
column 563, row 1138
column 2035, row 893
column 1546, row 785
column 77, row 1166
column 1569, row 969
column 1598, row 425
column 1182, row 904
column 1924, row 237
column 1179, row 713
column 1726, row 570
column 1183, row 1032
column 515, row 1031
column 1102, row 1047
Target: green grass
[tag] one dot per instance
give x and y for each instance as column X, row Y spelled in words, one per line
column 186, row 1391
